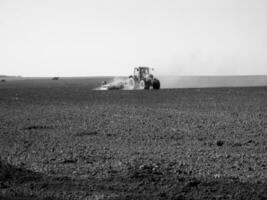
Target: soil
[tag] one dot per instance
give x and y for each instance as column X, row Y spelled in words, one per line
column 71, row 142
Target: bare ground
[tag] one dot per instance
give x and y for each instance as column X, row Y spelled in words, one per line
column 74, row 143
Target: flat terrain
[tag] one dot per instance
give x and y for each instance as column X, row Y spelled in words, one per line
column 66, row 141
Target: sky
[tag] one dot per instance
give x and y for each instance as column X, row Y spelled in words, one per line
column 111, row 37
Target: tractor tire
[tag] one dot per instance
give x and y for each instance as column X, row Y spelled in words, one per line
column 147, row 85
column 156, row 84
column 131, row 83
column 144, row 85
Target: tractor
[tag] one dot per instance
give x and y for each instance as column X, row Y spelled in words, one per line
column 143, row 79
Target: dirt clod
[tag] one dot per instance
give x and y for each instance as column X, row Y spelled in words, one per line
column 220, row 143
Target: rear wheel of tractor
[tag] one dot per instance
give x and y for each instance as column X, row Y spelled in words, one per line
column 156, row 84
column 131, row 83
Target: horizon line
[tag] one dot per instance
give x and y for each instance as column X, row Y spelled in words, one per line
column 92, row 76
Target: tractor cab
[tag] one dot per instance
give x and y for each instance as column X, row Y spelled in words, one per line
column 141, row 72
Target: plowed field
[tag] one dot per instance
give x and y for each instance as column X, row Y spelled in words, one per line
column 71, row 142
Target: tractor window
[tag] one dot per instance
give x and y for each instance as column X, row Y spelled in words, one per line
column 145, row 71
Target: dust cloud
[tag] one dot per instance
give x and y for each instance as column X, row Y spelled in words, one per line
column 211, row 81
column 172, row 82
column 114, row 83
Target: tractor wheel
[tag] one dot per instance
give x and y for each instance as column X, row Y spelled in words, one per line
column 147, row 85
column 156, row 84
column 144, row 85
column 131, row 83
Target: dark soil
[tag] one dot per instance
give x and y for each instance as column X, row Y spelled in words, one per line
column 74, row 143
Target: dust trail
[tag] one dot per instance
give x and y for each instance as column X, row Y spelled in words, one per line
column 193, row 82
column 116, row 83
column 211, row 81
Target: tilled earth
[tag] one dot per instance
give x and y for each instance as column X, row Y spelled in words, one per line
column 76, row 143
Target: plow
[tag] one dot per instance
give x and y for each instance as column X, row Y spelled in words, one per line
column 142, row 79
